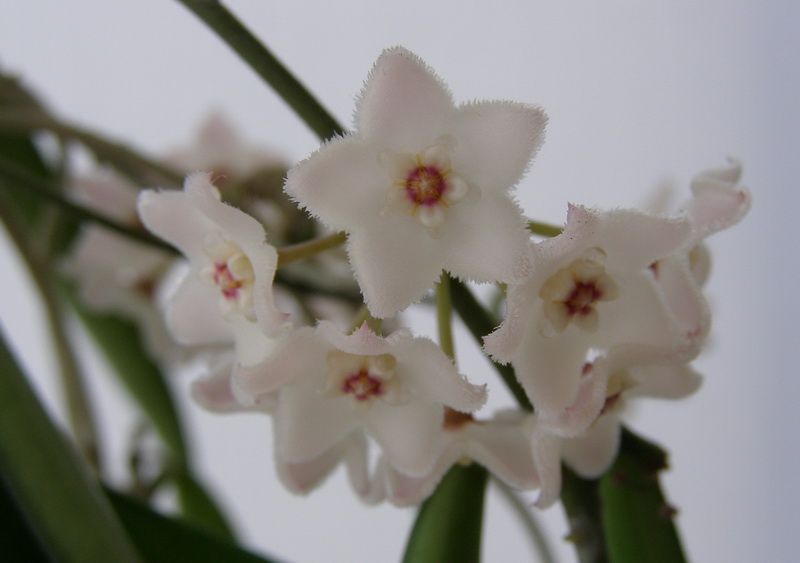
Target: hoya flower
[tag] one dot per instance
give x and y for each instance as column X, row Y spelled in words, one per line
column 232, row 266
column 303, row 476
column 333, row 384
column 115, row 273
column 219, row 148
column 423, row 185
column 592, row 289
column 717, row 202
column 503, row 445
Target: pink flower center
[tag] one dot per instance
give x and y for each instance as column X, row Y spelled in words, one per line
column 582, row 299
column 425, row 185
column 362, row 386
column 228, row 284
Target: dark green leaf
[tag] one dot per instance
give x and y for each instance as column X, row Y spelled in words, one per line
column 120, row 343
column 449, row 523
column 62, row 501
column 161, row 539
column 638, row 522
column 200, row 509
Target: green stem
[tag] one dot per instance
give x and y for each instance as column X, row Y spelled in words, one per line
column 126, row 160
column 307, row 249
column 263, row 62
column 21, row 179
column 79, row 410
column 444, row 311
column 523, row 511
column 544, row 229
column 581, row 500
column 481, row 322
column 67, row 509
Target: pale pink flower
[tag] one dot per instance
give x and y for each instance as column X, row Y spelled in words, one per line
column 423, row 185
column 592, row 289
column 333, row 384
column 232, row 265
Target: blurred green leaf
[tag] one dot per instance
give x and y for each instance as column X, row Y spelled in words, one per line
column 121, row 345
column 65, row 506
column 200, row 509
column 637, row 520
column 449, row 524
column 162, row 539
column 16, row 534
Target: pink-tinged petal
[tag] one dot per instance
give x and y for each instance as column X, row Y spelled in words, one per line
column 504, row 446
column 488, row 242
column 307, row 424
column 356, row 458
column 362, row 341
column 496, row 142
column 395, row 267
column 170, row 216
column 549, row 369
column 665, row 381
column 109, row 193
column 718, row 201
column 215, row 394
column 405, row 490
column 630, row 239
column 193, row 315
column 407, row 434
column 304, row 476
column 435, row 378
column 409, row 490
column 342, row 183
column 547, row 459
column 589, row 402
column 298, row 355
column 683, row 296
column 404, row 106
column 504, row 342
column 594, row 452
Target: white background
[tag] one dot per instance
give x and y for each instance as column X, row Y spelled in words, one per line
column 636, row 95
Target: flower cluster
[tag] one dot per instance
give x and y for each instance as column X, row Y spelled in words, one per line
column 610, row 309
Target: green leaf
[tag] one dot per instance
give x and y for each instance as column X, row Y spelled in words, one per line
column 581, row 500
column 62, row 501
column 637, row 520
column 16, row 534
column 449, row 523
column 200, row 509
column 120, row 343
column 161, row 539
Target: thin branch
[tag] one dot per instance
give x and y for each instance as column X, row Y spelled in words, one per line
column 263, row 62
column 79, row 409
column 20, row 179
column 523, row 511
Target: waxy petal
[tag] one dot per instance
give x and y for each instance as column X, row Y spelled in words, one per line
column 404, row 105
column 497, row 141
column 594, row 452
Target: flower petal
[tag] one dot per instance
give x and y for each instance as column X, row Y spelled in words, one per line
column 496, row 142
column 591, row 454
column 404, row 105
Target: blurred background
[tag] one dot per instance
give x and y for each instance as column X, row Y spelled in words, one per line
column 639, row 95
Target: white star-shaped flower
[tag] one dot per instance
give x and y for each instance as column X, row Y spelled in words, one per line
column 592, row 289
column 232, row 266
column 504, row 445
column 333, row 384
column 423, row 185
